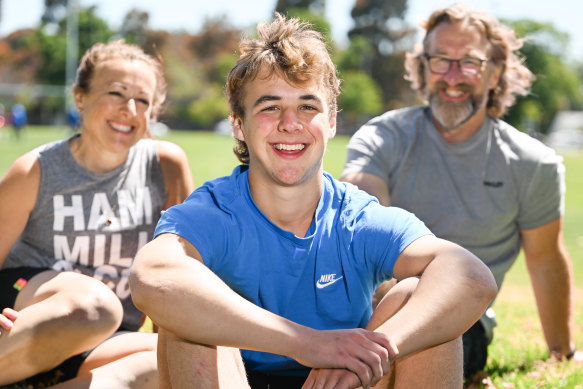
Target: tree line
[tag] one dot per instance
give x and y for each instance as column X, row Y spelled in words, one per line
column 196, row 65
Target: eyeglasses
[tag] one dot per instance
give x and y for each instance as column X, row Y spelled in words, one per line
column 468, row 66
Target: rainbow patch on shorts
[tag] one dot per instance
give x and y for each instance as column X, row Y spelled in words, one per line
column 19, row 284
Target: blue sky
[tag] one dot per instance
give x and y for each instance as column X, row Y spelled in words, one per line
column 189, row 14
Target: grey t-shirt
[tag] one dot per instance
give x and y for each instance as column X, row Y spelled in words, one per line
column 479, row 193
column 93, row 223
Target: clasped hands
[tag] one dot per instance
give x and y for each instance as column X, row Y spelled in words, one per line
column 347, row 358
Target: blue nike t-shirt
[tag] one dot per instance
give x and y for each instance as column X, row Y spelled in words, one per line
column 324, row 280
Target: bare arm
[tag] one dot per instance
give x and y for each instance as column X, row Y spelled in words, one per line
column 551, row 274
column 18, row 192
column 370, row 183
column 171, row 285
column 454, row 289
column 176, row 172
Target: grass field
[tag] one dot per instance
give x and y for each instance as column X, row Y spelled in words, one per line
column 515, row 356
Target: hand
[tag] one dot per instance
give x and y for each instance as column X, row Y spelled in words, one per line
column 365, row 353
column 7, row 319
column 331, row 378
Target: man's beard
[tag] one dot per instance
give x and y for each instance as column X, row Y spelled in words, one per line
column 451, row 115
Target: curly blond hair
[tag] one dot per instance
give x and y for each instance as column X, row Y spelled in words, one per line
column 290, row 48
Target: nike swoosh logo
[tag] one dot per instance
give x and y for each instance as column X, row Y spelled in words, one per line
column 321, row 285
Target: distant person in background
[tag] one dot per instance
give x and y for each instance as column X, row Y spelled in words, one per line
column 73, row 214
column 73, row 119
column 2, row 116
column 18, row 118
column 472, row 178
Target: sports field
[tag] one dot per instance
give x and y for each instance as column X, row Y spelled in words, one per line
column 518, row 339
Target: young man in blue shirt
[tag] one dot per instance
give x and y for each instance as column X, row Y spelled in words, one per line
column 280, row 260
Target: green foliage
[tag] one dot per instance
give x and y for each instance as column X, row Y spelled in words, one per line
column 52, row 51
column 92, row 29
column 223, row 64
column 314, row 6
column 382, row 24
column 361, row 98
column 516, row 356
column 209, row 108
column 557, row 85
column 357, row 56
column 318, row 21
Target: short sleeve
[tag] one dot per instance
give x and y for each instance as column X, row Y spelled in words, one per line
column 371, row 150
column 543, row 199
column 381, row 235
column 192, row 220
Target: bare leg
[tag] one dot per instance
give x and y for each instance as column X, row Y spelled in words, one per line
column 60, row 315
column 134, row 371
column 185, row 364
column 124, row 361
column 436, row 367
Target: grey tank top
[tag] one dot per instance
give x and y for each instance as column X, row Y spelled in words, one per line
column 93, row 223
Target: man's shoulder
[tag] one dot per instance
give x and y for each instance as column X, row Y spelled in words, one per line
column 521, row 147
column 352, row 201
column 399, row 118
column 216, row 195
column 396, row 128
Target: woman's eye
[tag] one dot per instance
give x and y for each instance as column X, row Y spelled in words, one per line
column 114, row 93
column 143, row 101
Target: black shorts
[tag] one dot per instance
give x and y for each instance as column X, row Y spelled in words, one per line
column 475, row 350
column 258, row 380
column 11, row 282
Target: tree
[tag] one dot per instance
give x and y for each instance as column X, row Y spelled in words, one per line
column 361, row 98
column 382, row 24
column 51, row 41
column 313, row 6
column 134, row 26
column 558, row 83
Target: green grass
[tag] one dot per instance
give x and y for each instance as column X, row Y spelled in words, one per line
column 518, row 350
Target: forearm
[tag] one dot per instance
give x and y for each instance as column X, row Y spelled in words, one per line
column 187, row 299
column 181, row 295
column 453, row 291
column 552, row 281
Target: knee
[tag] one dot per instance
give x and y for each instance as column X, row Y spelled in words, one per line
column 91, row 303
column 398, row 294
column 391, row 301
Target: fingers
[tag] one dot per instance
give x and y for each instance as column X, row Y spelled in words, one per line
column 10, row 313
column 331, row 379
column 364, row 353
column 368, row 357
column 7, row 319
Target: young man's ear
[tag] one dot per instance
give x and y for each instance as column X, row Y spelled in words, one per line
column 237, row 127
column 332, row 132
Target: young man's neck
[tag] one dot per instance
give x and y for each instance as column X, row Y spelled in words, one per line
column 291, row 208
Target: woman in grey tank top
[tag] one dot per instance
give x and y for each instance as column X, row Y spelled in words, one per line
column 73, row 214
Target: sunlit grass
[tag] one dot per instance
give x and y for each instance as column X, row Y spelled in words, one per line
column 518, row 350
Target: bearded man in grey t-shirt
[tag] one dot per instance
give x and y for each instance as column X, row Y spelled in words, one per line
column 472, row 178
